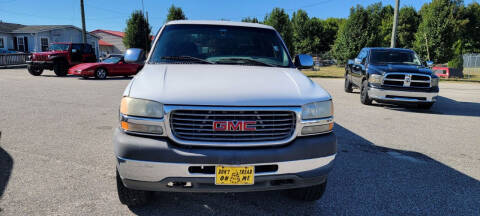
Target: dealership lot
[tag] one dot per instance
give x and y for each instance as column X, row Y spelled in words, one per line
column 56, row 155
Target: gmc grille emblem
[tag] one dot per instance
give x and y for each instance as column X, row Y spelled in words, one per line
column 234, row 126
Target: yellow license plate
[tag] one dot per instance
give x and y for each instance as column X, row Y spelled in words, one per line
column 234, row 175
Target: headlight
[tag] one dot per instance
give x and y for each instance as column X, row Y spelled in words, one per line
column 435, row 82
column 141, row 108
column 375, row 79
column 317, row 110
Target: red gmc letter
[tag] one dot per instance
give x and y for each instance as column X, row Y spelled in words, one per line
column 235, row 126
column 219, row 126
column 251, row 124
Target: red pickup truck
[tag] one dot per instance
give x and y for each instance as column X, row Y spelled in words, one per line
column 60, row 57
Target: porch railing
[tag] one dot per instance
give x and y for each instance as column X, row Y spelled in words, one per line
column 13, row 59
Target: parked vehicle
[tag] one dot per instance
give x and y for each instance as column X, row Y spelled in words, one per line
column 60, row 57
column 114, row 65
column 443, row 72
column 391, row 75
column 221, row 107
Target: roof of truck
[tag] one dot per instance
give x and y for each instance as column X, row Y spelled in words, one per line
column 224, row 23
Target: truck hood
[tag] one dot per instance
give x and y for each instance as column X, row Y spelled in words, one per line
column 224, row 85
column 400, row 68
column 49, row 53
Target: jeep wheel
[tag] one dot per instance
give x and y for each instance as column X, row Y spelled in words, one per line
column 60, row 68
column 364, row 98
column 100, row 73
column 425, row 106
column 311, row 193
column 348, row 85
column 35, row 71
column 131, row 197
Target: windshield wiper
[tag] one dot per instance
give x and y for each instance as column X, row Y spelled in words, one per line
column 245, row 60
column 187, row 58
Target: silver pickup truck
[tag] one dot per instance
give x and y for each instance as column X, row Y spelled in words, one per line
column 220, row 107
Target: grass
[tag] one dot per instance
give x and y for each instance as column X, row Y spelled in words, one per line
column 338, row 72
column 326, row 72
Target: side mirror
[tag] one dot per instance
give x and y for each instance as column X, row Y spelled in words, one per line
column 74, row 50
column 358, row 61
column 134, row 56
column 303, row 61
column 429, row 63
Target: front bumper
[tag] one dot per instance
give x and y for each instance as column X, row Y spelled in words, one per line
column 152, row 163
column 403, row 96
column 40, row 64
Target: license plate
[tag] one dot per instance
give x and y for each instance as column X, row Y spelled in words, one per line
column 234, row 175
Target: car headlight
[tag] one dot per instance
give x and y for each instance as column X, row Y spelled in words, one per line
column 141, row 108
column 134, row 108
column 317, row 110
column 375, row 78
column 435, row 81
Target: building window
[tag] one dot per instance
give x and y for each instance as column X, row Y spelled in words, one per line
column 21, row 44
column 2, row 43
column 44, row 43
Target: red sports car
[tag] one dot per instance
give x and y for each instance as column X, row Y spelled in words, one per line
column 111, row 66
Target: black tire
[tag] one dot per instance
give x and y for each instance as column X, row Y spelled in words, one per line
column 101, row 73
column 34, row 70
column 425, row 106
column 311, row 193
column 348, row 85
column 130, row 197
column 60, row 67
column 364, row 98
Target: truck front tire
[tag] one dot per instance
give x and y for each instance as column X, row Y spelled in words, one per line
column 311, row 193
column 364, row 98
column 60, row 67
column 130, row 197
column 35, row 70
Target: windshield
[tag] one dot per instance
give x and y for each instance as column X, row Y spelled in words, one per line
column 112, row 60
column 59, row 47
column 213, row 44
column 394, row 57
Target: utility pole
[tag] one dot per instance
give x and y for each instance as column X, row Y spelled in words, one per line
column 395, row 23
column 84, row 31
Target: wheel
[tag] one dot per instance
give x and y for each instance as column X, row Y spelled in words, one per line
column 101, row 73
column 311, row 193
column 364, row 98
column 60, row 68
column 131, row 197
column 348, row 85
column 35, row 71
column 425, row 105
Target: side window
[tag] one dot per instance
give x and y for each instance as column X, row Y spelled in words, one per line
column 362, row 55
column 77, row 47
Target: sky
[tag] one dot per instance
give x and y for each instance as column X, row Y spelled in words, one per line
column 112, row 14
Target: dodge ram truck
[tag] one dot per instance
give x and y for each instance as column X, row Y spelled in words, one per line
column 60, row 57
column 392, row 75
column 221, row 107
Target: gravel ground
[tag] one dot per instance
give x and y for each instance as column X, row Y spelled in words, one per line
column 56, row 155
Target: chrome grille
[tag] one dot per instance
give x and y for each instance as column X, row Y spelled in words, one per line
column 407, row 80
column 197, row 125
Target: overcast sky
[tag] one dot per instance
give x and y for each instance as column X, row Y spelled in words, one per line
column 112, row 14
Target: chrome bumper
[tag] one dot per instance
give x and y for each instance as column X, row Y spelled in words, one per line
column 401, row 96
column 148, row 171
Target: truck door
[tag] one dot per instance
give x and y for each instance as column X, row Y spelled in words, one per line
column 76, row 53
column 358, row 67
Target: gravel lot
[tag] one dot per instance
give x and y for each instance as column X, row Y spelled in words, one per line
column 56, row 155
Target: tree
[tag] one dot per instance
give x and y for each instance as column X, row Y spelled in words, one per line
column 408, row 21
column 137, row 32
column 175, row 13
column 439, row 29
column 472, row 28
column 360, row 30
column 300, row 22
column 457, row 60
column 280, row 20
column 385, row 31
column 250, row 20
